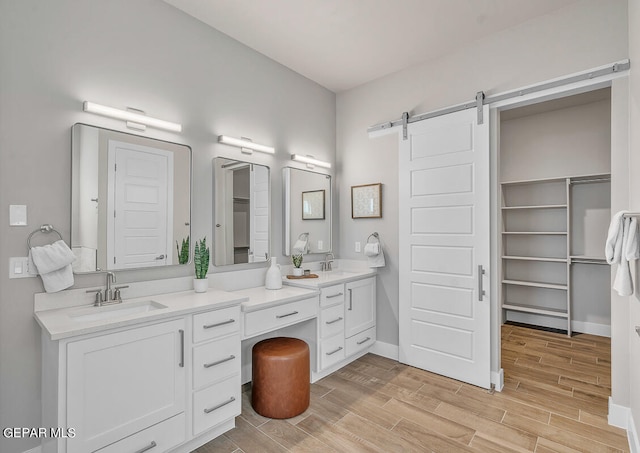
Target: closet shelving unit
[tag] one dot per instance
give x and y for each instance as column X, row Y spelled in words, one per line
column 537, row 245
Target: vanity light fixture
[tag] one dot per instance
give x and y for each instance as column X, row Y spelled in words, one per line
column 135, row 119
column 245, row 144
column 310, row 161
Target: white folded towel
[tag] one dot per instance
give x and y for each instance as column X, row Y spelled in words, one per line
column 620, row 248
column 376, row 260
column 372, row 249
column 53, row 263
column 301, row 246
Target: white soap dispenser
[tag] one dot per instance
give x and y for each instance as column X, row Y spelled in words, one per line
column 273, row 279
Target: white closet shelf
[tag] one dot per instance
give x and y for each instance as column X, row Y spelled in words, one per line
column 590, row 258
column 535, row 258
column 536, row 310
column 542, row 206
column 531, row 233
column 535, row 284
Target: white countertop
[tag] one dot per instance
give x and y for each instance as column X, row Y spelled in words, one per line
column 260, row 297
column 60, row 323
column 330, row 278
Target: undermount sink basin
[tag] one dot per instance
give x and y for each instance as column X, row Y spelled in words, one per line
column 115, row 311
column 337, row 273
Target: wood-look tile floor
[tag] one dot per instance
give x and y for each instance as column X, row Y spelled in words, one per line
column 554, row 400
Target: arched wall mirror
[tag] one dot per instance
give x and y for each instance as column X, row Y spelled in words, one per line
column 241, row 212
column 130, row 200
column 307, row 211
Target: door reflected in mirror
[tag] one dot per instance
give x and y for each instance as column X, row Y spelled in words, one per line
column 131, row 200
column 241, row 212
column 307, row 211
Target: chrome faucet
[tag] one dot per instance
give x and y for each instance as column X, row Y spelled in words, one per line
column 111, row 296
column 326, row 265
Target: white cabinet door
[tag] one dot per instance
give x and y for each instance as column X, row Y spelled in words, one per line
column 360, row 306
column 121, row 383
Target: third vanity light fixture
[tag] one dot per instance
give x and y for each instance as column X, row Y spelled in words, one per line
column 310, row 161
column 135, row 119
column 245, row 144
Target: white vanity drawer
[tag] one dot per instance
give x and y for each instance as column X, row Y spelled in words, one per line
column 332, row 321
column 360, row 341
column 331, row 351
column 216, row 404
column 216, row 323
column 272, row 318
column 332, row 295
column 160, row 437
column 216, row 360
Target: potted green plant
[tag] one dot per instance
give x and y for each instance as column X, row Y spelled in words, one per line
column 183, row 252
column 297, row 262
column 201, row 262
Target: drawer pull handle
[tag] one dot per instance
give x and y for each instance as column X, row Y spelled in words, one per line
column 181, row 363
column 211, row 409
column 334, row 295
column 218, row 324
column 148, row 447
column 350, row 299
column 363, row 341
column 334, row 321
column 288, row 314
column 218, row 362
column 333, row 352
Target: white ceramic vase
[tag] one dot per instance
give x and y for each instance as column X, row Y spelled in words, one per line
column 273, row 279
column 200, row 285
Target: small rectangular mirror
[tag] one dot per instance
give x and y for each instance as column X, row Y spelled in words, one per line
column 130, row 200
column 307, row 211
column 241, row 212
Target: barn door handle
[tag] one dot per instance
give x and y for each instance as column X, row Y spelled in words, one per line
column 481, row 291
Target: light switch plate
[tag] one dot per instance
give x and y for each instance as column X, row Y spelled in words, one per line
column 17, row 215
column 19, row 267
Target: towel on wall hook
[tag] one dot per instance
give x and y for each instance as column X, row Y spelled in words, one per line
column 373, row 251
column 621, row 247
column 302, row 244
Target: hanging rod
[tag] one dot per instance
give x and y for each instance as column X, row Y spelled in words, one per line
column 631, row 214
column 612, row 69
column 587, row 181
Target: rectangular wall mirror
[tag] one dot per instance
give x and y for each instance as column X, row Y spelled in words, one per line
column 241, row 212
column 307, row 211
column 130, row 200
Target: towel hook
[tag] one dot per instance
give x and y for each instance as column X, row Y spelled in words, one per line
column 46, row 228
column 375, row 236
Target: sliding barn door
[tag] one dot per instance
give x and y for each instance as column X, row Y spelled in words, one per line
column 444, row 247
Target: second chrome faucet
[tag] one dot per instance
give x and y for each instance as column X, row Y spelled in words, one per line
column 111, row 296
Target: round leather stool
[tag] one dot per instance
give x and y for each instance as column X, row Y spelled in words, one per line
column 280, row 377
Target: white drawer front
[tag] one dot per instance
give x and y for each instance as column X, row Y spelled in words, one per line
column 332, row 295
column 331, row 351
column 216, row 404
column 332, row 321
column 360, row 341
column 157, row 438
column 216, row 360
column 268, row 319
column 216, row 323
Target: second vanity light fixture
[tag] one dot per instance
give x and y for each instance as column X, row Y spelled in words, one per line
column 245, row 144
column 310, row 161
column 135, row 119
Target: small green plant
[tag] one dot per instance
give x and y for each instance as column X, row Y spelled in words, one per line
column 183, row 252
column 297, row 260
column 201, row 258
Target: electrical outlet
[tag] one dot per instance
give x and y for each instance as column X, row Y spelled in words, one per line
column 320, row 245
column 19, row 267
column 358, row 247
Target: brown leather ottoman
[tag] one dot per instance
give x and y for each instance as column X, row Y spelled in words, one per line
column 280, row 377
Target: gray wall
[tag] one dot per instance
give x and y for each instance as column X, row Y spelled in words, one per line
column 143, row 54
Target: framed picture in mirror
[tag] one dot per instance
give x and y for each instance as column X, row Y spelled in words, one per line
column 313, row 205
column 366, row 201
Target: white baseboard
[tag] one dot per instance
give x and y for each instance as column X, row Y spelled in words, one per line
column 388, row 350
column 622, row 417
column 602, row 330
column 497, row 379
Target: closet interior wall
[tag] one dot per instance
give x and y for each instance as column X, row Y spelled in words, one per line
column 555, row 199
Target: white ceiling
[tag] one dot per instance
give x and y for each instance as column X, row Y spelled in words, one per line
column 341, row 44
